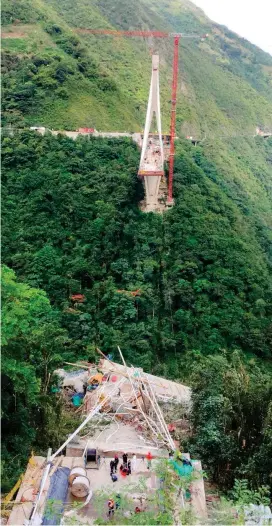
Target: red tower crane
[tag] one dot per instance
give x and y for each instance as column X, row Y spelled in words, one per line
column 157, row 34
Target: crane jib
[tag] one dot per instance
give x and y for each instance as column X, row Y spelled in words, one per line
column 138, row 33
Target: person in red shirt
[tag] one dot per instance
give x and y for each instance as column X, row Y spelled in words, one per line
column 148, row 458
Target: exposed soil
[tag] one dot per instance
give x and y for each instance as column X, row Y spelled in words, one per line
column 13, row 34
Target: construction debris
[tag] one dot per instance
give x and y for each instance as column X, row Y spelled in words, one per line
column 74, row 379
column 137, row 400
column 122, row 411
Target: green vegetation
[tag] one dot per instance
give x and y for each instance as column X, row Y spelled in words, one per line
column 232, row 421
column 16, row 11
column 231, row 510
column 71, row 224
column 31, row 344
column 46, row 80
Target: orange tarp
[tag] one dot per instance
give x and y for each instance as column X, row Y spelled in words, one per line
column 96, row 379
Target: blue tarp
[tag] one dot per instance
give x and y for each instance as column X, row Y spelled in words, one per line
column 56, row 497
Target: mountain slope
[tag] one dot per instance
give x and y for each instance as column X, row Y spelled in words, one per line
column 225, row 82
column 60, row 79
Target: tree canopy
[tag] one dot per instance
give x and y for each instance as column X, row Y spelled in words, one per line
column 72, row 225
column 232, row 418
column 31, row 348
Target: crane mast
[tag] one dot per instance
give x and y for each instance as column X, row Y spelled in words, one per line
column 173, row 119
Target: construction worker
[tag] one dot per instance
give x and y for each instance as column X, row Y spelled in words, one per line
column 116, row 462
column 110, row 508
column 149, row 458
column 129, row 467
column 112, row 467
column 118, row 501
column 125, row 459
column 123, row 470
column 186, row 461
column 178, row 455
column 134, row 462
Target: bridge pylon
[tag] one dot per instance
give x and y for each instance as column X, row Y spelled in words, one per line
column 151, row 167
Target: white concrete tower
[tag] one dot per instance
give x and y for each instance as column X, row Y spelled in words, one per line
column 151, row 163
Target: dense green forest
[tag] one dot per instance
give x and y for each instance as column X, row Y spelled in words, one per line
column 71, row 224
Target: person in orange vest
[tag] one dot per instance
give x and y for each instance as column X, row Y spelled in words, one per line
column 111, row 507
